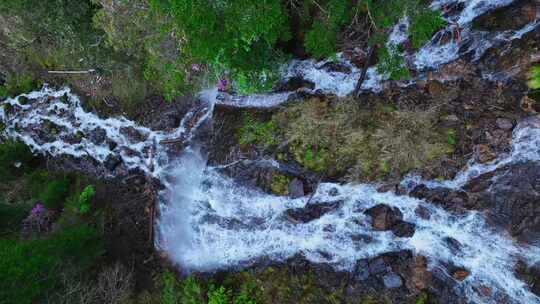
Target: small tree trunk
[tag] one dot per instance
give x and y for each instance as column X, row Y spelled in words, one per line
column 369, row 58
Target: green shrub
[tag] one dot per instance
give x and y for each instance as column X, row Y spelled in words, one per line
column 219, row 295
column 534, row 78
column 15, row 159
column 422, row 299
column 392, row 63
column 236, row 36
column 80, row 203
column 55, row 194
column 191, row 291
column 17, row 84
column 170, row 292
column 249, row 294
column 424, row 22
column 11, row 215
column 30, row 269
column 321, row 39
column 258, row 133
column 37, row 181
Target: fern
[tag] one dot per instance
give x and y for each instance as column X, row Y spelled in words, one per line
column 534, row 78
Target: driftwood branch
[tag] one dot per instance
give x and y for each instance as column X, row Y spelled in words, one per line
column 369, row 58
column 72, row 72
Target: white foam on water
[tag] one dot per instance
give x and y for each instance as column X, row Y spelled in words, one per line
column 526, row 147
column 212, row 222
column 441, row 51
column 208, row 221
column 63, row 109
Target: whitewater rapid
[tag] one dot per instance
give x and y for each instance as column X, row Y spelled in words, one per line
column 212, row 222
column 208, row 221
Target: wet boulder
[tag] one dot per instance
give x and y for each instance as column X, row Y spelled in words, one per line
column 112, row 161
column 504, row 123
column 97, row 136
column 295, row 83
column 386, row 218
column 134, row 135
column 449, row 199
column 336, row 67
column 296, row 188
column 23, row 100
column 378, row 266
column 512, row 199
column 403, row 229
column 530, row 274
column 460, row 274
column 312, row 211
column 361, row 270
column 420, row 277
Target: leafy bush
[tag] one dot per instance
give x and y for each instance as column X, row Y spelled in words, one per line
column 80, row 202
column 170, row 291
column 235, row 36
column 15, row 158
column 249, row 294
column 392, row 63
column 534, row 78
column 219, row 295
column 424, row 22
column 29, row 269
column 321, row 39
column 186, row 292
column 55, row 194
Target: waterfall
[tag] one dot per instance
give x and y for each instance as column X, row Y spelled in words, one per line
column 209, row 221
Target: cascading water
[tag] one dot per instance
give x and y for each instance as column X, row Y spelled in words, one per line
column 208, row 221
column 213, row 222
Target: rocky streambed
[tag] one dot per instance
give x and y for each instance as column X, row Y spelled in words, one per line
column 465, row 229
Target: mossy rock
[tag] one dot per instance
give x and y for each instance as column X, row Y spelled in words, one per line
column 280, row 184
column 23, row 100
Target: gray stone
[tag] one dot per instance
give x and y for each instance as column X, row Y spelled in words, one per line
column 112, row 161
column 377, row 266
column 98, row 136
column 392, row 280
column 362, row 270
column 504, row 123
column 404, row 229
column 296, row 188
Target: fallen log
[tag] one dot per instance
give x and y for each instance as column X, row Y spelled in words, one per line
column 72, row 72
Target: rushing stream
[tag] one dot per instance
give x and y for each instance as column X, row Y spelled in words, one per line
column 208, row 221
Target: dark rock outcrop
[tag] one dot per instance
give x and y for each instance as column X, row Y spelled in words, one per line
column 386, row 218
column 511, row 17
column 312, row 211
